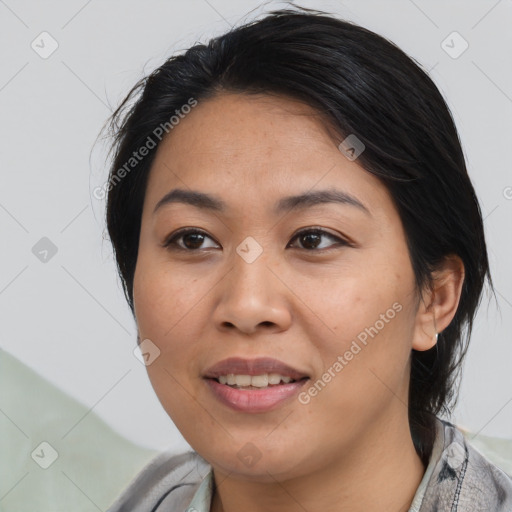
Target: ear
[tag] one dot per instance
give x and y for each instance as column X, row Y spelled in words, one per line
column 438, row 303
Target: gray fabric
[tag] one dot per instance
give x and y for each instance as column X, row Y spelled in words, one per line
column 465, row 481
column 167, row 483
column 462, row 480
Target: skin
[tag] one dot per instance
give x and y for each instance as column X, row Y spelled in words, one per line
column 302, row 301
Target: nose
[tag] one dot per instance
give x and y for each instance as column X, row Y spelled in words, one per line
column 252, row 298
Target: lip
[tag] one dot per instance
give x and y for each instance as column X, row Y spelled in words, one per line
column 258, row 366
column 254, row 400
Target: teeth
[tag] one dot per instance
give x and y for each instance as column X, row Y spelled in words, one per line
column 274, row 378
column 243, row 380
column 257, row 381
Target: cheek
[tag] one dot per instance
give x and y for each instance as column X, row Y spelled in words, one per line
column 371, row 321
column 162, row 299
column 165, row 315
column 170, row 312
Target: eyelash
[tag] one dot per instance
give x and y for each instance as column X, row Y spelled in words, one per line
column 171, row 242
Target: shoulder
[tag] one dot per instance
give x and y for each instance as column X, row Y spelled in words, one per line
column 167, row 480
column 464, row 480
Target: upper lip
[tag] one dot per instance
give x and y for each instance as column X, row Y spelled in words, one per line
column 258, row 366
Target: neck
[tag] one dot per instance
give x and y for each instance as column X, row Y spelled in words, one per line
column 381, row 473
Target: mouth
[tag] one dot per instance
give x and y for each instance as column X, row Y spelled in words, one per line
column 254, row 385
column 263, row 381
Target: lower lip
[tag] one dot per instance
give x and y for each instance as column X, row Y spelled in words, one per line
column 255, row 400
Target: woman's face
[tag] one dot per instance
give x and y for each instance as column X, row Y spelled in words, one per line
column 297, row 255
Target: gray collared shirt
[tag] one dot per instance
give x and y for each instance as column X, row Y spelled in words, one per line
column 457, row 479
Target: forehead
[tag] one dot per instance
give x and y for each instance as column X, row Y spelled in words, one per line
column 254, row 147
column 236, row 127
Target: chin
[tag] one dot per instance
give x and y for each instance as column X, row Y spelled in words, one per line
column 263, row 465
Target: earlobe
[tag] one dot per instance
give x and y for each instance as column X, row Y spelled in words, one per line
column 423, row 339
column 439, row 303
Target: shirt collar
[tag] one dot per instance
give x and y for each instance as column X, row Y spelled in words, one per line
column 201, row 502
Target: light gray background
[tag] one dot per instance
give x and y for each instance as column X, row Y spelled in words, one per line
column 67, row 318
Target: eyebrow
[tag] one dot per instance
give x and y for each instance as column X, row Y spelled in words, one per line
column 285, row 204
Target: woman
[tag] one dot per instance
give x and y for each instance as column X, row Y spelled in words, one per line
column 303, row 252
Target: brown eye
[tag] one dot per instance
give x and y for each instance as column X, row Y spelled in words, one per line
column 311, row 239
column 193, row 240
column 189, row 240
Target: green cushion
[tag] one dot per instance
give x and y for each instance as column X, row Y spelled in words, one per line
column 94, row 463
